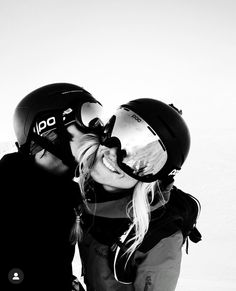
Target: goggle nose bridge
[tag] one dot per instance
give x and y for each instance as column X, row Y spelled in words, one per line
column 112, row 142
column 96, row 125
column 96, row 122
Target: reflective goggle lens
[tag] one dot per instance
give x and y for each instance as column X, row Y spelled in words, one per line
column 91, row 114
column 87, row 115
column 142, row 153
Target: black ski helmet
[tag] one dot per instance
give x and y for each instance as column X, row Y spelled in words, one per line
column 51, row 98
column 167, row 122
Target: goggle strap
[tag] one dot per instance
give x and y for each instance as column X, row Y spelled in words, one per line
column 64, row 142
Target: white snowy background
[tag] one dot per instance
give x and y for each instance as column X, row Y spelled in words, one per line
column 178, row 51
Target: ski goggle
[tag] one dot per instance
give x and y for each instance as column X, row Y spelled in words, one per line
column 87, row 117
column 140, row 152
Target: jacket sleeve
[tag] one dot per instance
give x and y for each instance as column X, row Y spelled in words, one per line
column 159, row 268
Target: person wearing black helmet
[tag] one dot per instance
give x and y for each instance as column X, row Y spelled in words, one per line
column 135, row 220
column 40, row 196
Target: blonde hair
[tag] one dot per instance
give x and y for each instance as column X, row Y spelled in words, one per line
column 86, row 157
column 138, row 209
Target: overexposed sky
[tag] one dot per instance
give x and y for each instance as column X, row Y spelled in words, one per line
column 177, row 51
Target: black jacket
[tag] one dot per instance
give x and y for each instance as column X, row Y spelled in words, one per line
column 36, row 219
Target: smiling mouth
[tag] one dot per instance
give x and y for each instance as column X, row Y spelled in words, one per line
column 107, row 164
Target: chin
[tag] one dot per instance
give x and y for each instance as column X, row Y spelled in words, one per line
column 111, row 189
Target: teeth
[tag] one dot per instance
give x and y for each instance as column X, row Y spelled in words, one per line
column 105, row 162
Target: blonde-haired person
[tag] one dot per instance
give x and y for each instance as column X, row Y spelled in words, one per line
column 135, row 221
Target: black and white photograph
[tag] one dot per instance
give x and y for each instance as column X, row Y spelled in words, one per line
column 118, row 145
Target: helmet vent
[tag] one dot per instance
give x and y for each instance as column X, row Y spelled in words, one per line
column 162, row 145
column 152, row 131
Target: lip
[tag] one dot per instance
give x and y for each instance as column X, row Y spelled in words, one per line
column 110, row 165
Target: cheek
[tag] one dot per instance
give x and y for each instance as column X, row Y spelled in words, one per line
column 74, row 147
column 97, row 177
column 97, row 173
column 103, row 176
column 130, row 182
column 76, row 138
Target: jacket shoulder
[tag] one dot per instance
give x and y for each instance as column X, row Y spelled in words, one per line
column 179, row 214
column 10, row 161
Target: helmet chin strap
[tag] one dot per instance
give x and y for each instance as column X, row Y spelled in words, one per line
column 64, row 142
